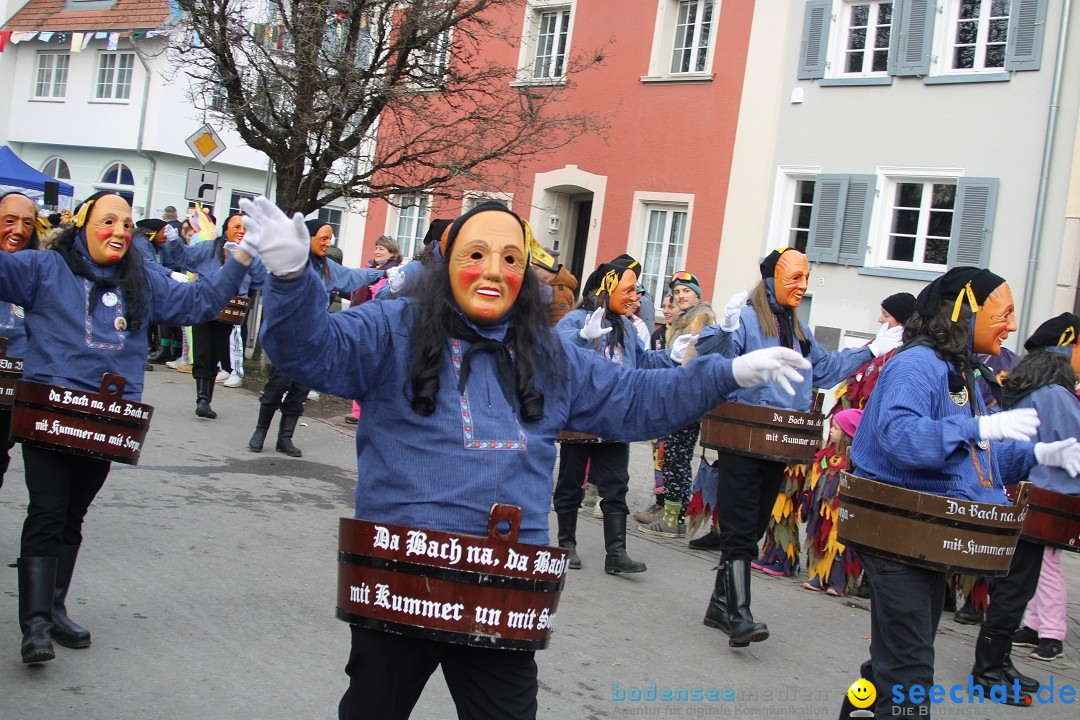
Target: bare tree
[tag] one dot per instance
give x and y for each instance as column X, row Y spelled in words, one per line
column 371, row 98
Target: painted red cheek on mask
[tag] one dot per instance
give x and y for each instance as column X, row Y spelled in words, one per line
column 513, row 281
column 466, row 276
column 103, row 233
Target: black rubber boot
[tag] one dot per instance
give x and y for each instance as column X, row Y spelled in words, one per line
column 743, row 628
column 1027, row 684
column 617, row 561
column 991, row 652
column 37, row 578
column 204, row 393
column 162, row 356
column 285, row 433
column 568, row 537
column 64, row 631
column 716, row 615
column 262, row 426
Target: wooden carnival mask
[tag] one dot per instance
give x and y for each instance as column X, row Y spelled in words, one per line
column 994, row 321
column 791, row 278
column 487, row 266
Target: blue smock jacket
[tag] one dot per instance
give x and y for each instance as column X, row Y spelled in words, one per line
column 443, row 471
column 914, row 434
column 569, row 329
column 205, row 258
column 71, row 347
column 150, row 253
column 1059, row 416
column 829, row 367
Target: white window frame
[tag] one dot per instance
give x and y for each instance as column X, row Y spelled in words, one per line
column 889, row 177
column 838, row 39
column 117, row 187
column 945, row 34
column 56, row 161
column 785, row 186
column 53, row 71
column 433, row 62
column 663, row 45
column 328, row 215
column 530, row 40
column 115, row 83
column 410, row 242
column 644, row 204
column 472, row 198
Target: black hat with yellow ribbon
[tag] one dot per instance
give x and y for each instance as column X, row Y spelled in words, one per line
column 1059, row 332
column 965, row 285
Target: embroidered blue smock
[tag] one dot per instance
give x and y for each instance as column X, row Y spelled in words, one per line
column 345, row 279
column 915, row 435
column 204, row 258
column 445, row 470
column 569, row 329
column 13, row 327
column 1059, row 416
column 829, row 367
column 69, row 346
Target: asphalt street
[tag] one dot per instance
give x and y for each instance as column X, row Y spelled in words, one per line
column 208, row 572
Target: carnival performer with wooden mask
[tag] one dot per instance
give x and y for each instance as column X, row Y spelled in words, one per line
column 747, row 485
column 925, row 428
column 600, row 325
column 470, row 389
column 89, row 304
column 19, row 228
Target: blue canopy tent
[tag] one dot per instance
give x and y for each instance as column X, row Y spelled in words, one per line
column 17, row 175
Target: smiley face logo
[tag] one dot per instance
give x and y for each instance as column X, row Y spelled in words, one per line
column 862, row 693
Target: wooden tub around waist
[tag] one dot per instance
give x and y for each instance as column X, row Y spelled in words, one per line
column 762, row 432
column 488, row 591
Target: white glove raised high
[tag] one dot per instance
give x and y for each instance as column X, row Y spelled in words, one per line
column 395, row 278
column 282, row 244
column 170, row 233
column 735, row 304
column 886, row 340
column 1019, row 424
column 593, row 329
column 774, row 364
column 1064, row 454
column 680, row 345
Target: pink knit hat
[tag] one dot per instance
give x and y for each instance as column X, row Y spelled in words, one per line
column 848, row 420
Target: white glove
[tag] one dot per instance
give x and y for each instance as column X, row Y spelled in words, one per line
column 642, row 330
column 395, row 279
column 170, row 233
column 1019, row 424
column 680, row 345
column 1064, row 454
column 281, row 243
column 179, row 276
column 774, row 364
column 888, row 340
column 593, row 329
column 734, row 307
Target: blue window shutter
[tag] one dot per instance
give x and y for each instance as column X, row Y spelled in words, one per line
column 826, row 218
column 815, row 39
column 915, row 36
column 1027, row 25
column 973, row 221
column 855, row 226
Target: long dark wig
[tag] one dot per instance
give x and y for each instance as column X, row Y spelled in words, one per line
column 1037, row 369
column 951, row 341
column 431, row 317
column 130, row 274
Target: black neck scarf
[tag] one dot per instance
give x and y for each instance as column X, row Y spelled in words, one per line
column 507, row 375
column 99, row 284
column 785, row 322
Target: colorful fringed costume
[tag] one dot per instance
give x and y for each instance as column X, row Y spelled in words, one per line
column 828, row 563
column 781, row 548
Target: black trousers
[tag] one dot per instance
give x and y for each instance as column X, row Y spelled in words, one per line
column 61, row 487
column 281, row 392
column 607, row 463
column 746, row 493
column 905, row 609
column 387, row 673
column 210, row 346
column 6, row 443
column 1010, row 595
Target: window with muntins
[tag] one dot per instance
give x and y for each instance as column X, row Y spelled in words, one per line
column 868, row 32
column 978, row 32
column 234, row 201
column 331, row 217
column 798, row 231
column 56, row 168
column 118, row 178
column 114, row 76
column 921, row 224
column 412, row 222
column 665, row 246
column 50, row 80
column 693, row 27
column 553, row 30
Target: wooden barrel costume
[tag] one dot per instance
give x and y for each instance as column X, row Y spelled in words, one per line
column 101, row 425
column 488, row 591
column 763, row 432
column 929, row 531
column 10, row 372
column 1052, row 519
column 235, row 311
column 573, row 436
